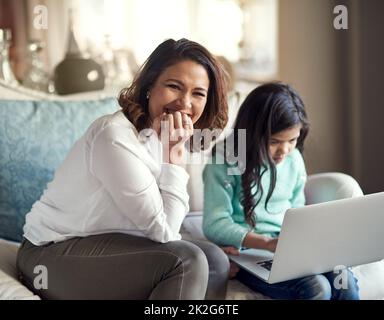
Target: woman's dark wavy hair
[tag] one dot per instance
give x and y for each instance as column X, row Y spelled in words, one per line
column 133, row 99
column 267, row 110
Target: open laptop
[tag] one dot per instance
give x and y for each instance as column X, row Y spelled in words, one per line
column 319, row 238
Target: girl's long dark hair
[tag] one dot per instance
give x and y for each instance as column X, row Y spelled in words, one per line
column 268, row 109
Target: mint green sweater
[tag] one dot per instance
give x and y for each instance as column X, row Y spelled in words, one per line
column 223, row 221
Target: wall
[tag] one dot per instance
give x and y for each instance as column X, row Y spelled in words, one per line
column 370, row 103
column 338, row 73
column 308, row 59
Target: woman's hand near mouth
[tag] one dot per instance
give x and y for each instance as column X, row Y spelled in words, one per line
column 173, row 129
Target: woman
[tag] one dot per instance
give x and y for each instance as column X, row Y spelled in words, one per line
column 107, row 226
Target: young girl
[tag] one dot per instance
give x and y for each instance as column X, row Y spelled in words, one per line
column 247, row 210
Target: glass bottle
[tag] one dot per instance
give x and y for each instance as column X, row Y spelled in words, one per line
column 36, row 78
column 6, row 72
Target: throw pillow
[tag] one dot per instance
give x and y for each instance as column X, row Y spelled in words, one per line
column 35, row 137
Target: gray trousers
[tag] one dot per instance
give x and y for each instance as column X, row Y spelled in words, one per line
column 121, row 266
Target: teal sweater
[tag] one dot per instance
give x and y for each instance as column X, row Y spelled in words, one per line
column 223, row 221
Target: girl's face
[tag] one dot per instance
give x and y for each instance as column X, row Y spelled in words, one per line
column 283, row 142
column 181, row 87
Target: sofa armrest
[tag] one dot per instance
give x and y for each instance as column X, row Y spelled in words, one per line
column 323, row 187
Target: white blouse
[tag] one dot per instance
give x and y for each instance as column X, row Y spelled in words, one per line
column 112, row 180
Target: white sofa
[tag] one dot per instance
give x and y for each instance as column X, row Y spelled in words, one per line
column 319, row 188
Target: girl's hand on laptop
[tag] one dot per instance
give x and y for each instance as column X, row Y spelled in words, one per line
column 231, row 250
column 272, row 244
column 233, row 270
column 233, row 267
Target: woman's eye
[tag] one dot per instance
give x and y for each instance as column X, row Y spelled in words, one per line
column 200, row 94
column 173, row 86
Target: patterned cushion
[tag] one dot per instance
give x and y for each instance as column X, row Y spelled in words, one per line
column 35, row 137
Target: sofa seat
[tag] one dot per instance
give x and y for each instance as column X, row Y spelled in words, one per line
column 12, row 289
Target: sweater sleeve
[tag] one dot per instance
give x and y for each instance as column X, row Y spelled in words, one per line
column 156, row 210
column 218, row 224
column 298, row 196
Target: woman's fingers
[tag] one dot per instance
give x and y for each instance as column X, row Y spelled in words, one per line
column 180, row 126
column 187, row 125
column 176, row 128
column 178, row 120
column 171, row 123
column 178, row 133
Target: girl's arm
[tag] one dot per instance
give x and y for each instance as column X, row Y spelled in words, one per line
column 258, row 241
column 218, row 223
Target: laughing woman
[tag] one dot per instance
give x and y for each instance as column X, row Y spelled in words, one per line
column 108, row 225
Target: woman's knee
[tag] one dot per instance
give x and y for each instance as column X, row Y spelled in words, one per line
column 192, row 267
column 191, row 256
column 217, row 259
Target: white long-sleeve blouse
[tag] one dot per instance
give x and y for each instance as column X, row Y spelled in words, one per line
column 112, row 180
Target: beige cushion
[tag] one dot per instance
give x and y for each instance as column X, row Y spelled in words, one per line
column 8, row 252
column 370, row 279
column 10, row 287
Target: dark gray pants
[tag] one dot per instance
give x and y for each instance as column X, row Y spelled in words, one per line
column 121, row 266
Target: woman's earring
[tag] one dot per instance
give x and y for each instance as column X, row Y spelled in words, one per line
column 148, row 94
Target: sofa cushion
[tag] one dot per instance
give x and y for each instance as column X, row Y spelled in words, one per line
column 370, row 279
column 11, row 289
column 35, row 137
column 8, row 253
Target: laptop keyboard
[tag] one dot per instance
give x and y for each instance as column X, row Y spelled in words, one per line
column 267, row 264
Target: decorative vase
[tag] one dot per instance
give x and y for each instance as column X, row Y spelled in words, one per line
column 75, row 73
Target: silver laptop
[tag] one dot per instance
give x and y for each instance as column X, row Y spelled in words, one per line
column 319, row 238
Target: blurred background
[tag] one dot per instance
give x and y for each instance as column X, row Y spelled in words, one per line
column 337, row 72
